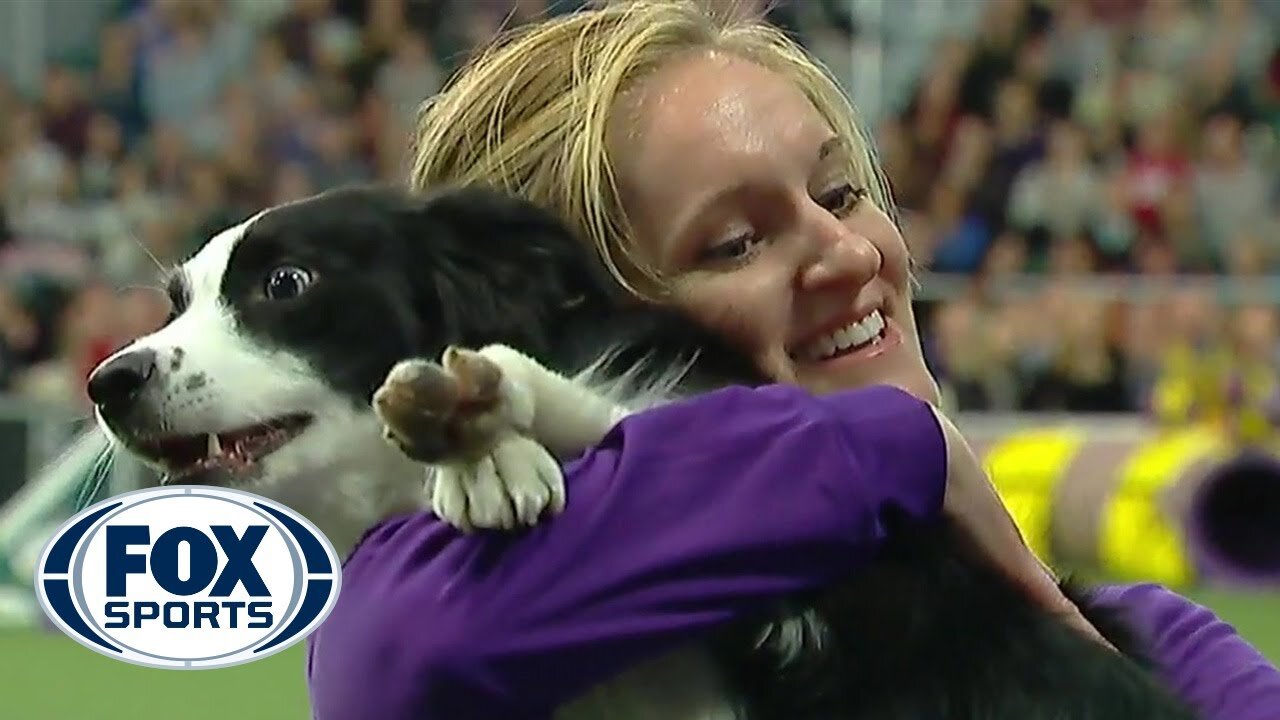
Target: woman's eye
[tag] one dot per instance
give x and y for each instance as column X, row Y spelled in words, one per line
column 287, row 282
column 738, row 248
column 843, row 199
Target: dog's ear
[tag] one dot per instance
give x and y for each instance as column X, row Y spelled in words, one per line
column 496, row 268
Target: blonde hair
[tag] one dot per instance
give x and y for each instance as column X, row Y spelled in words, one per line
column 531, row 114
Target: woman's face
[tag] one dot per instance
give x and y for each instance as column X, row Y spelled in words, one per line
column 738, row 189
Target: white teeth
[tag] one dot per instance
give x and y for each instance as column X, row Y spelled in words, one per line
column 214, row 448
column 853, row 335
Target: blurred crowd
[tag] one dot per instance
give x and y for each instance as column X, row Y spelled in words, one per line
column 1131, row 140
column 1062, row 139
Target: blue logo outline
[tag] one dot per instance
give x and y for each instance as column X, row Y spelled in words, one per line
column 317, row 572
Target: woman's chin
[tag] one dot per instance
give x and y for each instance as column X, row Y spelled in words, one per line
column 899, row 365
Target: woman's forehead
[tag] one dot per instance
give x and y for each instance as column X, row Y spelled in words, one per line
column 713, row 109
column 709, row 123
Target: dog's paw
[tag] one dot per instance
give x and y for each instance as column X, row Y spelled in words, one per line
column 470, row 419
column 454, row 410
column 514, row 485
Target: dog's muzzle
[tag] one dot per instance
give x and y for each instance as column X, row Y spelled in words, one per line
column 124, row 393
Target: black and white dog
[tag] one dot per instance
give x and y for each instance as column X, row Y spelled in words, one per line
column 304, row 339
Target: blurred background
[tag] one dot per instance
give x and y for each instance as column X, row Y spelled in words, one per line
column 1091, row 188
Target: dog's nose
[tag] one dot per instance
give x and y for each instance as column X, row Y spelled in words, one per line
column 117, row 382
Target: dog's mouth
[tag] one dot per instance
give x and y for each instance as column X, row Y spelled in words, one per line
column 186, row 458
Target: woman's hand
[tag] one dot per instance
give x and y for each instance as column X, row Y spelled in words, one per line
column 972, row 502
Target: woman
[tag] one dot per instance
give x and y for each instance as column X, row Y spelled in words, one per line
column 714, row 166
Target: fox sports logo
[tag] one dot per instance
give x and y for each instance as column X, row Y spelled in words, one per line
column 188, row 577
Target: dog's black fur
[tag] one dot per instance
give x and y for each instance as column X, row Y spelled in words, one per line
column 928, row 631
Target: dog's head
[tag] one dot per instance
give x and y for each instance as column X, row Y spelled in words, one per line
column 284, row 326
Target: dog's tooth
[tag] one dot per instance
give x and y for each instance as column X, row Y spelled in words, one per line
column 214, row 447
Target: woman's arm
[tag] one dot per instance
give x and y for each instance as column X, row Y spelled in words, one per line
column 1201, row 657
column 682, row 518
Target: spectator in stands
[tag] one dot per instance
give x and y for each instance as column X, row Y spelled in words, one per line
column 976, row 370
column 114, row 83
column 118, row 222
column 1232, row 195
column 18, row 332
column 1250, row 382
column 103, row 151
column 184, row 70
column 409, row 76
column 1086, row 372
column 85, row 335
column 36, row 167
column 64, row 111
column 1059, row 196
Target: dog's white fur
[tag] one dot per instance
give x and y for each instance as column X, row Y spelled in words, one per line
column 345, row 477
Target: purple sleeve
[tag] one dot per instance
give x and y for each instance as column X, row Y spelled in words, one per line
column 683, row 517
column 1201, row 657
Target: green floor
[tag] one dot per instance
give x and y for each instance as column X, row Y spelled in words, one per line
column 87, row 686
column 45, row 676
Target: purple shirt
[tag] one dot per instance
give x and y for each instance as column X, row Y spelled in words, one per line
column 682, row 518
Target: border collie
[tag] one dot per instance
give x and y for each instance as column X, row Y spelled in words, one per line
column 304, row 339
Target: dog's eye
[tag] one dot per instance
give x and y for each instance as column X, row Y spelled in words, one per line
column 285, row 283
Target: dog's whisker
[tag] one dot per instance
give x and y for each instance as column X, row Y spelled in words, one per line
column 134, row 288
column 150, row 255
column 99, row 476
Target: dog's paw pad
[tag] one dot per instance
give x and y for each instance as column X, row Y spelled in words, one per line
column 453, row 410
column 415, row 405
column 414, row 387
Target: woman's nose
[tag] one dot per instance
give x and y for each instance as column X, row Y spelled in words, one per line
column 840, row 257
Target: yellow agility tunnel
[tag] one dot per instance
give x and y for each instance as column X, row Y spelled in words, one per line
column 1135, row 501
